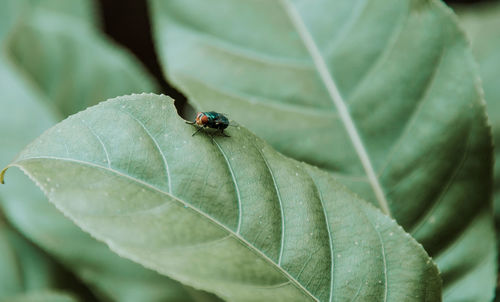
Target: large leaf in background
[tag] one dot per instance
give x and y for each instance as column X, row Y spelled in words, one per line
column 43, row 296
column 20, row 262
column 72, row 62
column 25, row 115
column 400, row 70
column 229, row 215
column 24, row 267
column 84, row 10
column 482, row 23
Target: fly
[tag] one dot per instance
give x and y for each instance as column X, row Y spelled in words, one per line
column 211, row 119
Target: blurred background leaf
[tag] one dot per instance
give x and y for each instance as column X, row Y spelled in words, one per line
column 72, row 62
column 482, row 25
column 24, row 267
column 409, row 83
column 54, row 63
column 42, row 296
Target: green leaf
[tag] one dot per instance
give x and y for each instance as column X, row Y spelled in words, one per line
column 10, row 276
column 481, row 24
column 71, row 62
column 24, row 267
column 28, row 109
column 381, row 93
column 228, row 215
column 44, row 296
column 111, row 276
column 9, row 14
column 84, row 10
column 22, row 110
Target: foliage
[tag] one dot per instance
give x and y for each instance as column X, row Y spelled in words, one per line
column 379, row 98
column 418, row 109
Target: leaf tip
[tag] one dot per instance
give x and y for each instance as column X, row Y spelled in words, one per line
column 2, row 174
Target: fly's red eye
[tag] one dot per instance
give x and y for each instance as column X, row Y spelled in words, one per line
column 198, row 118
column 204, row 119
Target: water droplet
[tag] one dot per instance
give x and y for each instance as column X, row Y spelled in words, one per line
column 311, row 233
column 143, row 190
column 48, row 179
column 123, row 106
column 185, row 142
column 296, row 174
column 339, row 255
column 163, row 107
column 356, row 243
column 186, row 205
column 391, row 233
column 380, row 281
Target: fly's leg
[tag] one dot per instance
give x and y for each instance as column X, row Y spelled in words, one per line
column 197, row 131
column 224, row 134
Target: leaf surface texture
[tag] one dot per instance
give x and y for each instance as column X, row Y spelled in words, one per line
column 227, row 215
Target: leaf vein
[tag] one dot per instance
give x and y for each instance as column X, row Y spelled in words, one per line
column 235, row 183
column 339, row 103
column 100, row 142
column 412, row 119
column 280, row 203
column 157, row 146
column 446, row 187
column 241, row 239
column 323, row 207
column 382, row 247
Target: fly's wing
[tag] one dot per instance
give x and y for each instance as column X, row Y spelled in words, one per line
column 230, row 123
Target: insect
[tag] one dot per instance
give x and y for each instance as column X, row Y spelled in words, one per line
column 211, row 119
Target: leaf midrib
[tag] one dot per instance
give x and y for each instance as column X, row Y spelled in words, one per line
column 189, row 206
column 338, row 101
